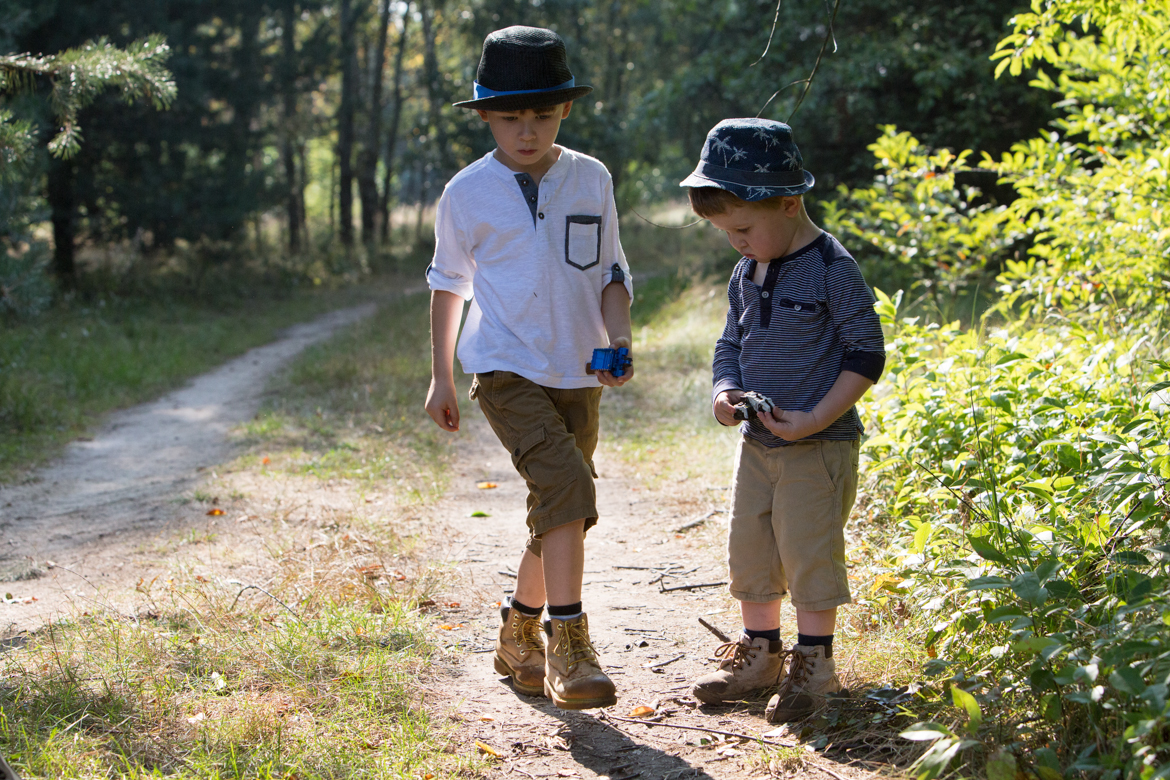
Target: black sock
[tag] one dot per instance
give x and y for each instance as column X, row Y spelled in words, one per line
column 808, row 641
column 524, row 609
column 564, row 611
column 772, row 635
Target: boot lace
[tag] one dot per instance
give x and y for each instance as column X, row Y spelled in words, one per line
column 799, row 671
column 527, row 632
column 734, row 654
column 575, row 644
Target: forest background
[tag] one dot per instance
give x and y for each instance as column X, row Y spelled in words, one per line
column 1016, row 478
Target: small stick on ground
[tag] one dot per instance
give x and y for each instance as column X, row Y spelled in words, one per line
column 661, row 664
column 511, row 574
column 606, row 716
column 722, row 636
column 697, row 521
column 696, row 586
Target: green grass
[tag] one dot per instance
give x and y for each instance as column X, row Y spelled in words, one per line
column 61, row 372
column 353, row 408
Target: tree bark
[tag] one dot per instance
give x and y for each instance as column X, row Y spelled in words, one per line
column 294, row 200
column 345, row 122
column 392, row 136
column 63, row 203
column 367, row 173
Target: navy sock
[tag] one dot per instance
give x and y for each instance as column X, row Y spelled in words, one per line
column 772, row 635
column 564, row 610
column 808, row 641
column 524, row 609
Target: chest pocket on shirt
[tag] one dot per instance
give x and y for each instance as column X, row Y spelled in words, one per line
column 582, row 240
column 807, row 308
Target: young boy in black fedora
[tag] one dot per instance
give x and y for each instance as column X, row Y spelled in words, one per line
column 801, row 330
column 529, row 234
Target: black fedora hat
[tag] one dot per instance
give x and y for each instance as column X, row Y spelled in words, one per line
column 523, row 67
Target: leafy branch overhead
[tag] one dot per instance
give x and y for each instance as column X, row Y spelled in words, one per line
column 78, row 76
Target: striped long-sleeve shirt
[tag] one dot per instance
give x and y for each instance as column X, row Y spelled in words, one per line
column 790, row 338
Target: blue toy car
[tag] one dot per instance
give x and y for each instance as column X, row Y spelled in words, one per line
column 615, row 361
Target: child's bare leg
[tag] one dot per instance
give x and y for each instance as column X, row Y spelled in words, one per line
column 563, row 552
column 530, row 581
column 820, row 623
column 760, row 616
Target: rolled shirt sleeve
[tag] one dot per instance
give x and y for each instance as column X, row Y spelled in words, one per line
column 859, row 328
column 613, row 256
column 453, row 267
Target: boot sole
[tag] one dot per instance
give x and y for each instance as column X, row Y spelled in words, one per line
column 579, row 704
column 527, row 690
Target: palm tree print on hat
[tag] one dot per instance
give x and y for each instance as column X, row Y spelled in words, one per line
column 768, row 139
column 759, row 192
column 762, row 168
column 791, row 161
column 730, row 153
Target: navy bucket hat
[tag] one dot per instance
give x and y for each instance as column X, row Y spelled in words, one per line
column 752, row 159
column 523, row 67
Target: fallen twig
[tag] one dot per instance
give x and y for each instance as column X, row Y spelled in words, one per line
column 828, row 771
column 605, row 715
column 661, row 664
column 722, row 636
column 507, row 573
column 696, row 586
column 697, row 521
column 266, row 593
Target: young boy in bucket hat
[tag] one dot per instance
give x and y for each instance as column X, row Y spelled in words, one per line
column 529, row 235
column 801, row 330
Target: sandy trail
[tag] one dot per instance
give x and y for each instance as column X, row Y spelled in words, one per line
column 67, row 530
column 649, row 640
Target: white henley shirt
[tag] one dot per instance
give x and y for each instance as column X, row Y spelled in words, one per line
column 534, row 282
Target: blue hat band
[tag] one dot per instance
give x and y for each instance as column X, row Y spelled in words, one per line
column 484, row 92
column 750, row 178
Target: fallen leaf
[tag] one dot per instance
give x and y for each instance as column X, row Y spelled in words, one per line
column 197, row 717
column 486, row 485
column 485, row 748
column 372, row 571
column 486, row 718
column 446, row 626
column 265, row 460
column 453, row 604
column 215, row 512
column 478, row 513
column 641, row 711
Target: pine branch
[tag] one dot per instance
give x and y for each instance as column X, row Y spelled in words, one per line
column 79, row 75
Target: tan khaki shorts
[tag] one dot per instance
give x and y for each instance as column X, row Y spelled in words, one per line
column 551, row 435
column 788, row 513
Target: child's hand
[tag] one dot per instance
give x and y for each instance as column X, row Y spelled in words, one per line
column 608, row 379
column 725, row 406
column 791, row 426
column 442, row 405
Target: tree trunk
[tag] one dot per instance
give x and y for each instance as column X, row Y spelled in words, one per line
column 367, row 173
column 63, row 202
column 345, row 114
column 436, row 95
column 293, row 203
column 392, row 140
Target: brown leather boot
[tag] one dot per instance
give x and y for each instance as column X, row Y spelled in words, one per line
column 745, row 666
column 811, row 677
column 520, row 652
column 573, row 678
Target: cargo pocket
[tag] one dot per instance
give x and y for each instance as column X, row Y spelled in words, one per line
column 582, row 240
column 522, row 448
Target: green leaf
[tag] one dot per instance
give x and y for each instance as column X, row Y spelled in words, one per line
column 987, row 583
column 1027, row 586
column 925, row 732
column 1001, row 765
column 965, row 701
column 478, row 513
column 1127, row 680
column 985, row 549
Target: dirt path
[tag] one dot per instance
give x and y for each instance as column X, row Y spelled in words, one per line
column 649, row 639
column 67, row 532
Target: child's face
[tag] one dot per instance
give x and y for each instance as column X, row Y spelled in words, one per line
column 762, row 234
column 525, row 138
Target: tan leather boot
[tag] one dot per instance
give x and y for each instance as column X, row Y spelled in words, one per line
column 745, row 665
column 573, row 678
column 520, row 652
column 810, row 678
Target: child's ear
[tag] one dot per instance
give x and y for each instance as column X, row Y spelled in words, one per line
column 482, row 114
column 568, row 107
column 790, row 205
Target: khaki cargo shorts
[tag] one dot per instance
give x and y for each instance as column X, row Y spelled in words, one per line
column 551, row 435
column 789, row 506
